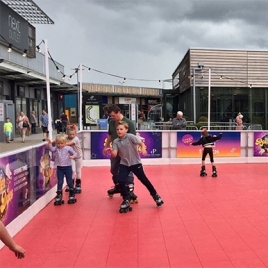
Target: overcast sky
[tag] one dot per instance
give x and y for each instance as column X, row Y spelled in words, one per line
column 146, row 39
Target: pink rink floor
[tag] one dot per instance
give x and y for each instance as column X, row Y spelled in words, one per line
column 205, row 222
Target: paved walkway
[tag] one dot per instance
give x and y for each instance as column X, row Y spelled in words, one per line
column 17, row 144
column 205, row 222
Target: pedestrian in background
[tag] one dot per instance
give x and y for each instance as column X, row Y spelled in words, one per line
column 64, row 122
column 8, row 127
column 179, row 123
column 33, row 121
column 23, row 125
column 44, row 124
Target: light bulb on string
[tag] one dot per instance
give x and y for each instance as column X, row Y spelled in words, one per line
column 9, row 48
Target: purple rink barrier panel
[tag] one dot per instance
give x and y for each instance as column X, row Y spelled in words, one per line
column 45, row 172
column 24, row 177
column 261, row 143
column 227, row 146
column 152, row 140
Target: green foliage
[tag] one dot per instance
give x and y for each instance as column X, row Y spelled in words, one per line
column 203, row 119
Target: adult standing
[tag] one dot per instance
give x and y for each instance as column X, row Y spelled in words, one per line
column 179, row 123
column 239, row 121
column 33, row 121
column 115, row 114
column 64, row 122
column 23, row 125
column 44, row 124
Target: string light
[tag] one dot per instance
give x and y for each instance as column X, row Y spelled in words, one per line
column 38, row 46
column 24, row 54
column 9, row 48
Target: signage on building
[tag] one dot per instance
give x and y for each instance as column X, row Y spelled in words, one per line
column 13, row 27
column 1, row 111
column 1, row 88
column 153, row 102
column 126, row 100
column 92, row 99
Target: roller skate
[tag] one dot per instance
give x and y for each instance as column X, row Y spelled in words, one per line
column 203, row 172
column 58, row 199
column 72, row 198
column 132, row 196
column 214, row 171
column 158, row 200
column 114, row 190
column 67, row 187
column 78, row 189
column 125, row 206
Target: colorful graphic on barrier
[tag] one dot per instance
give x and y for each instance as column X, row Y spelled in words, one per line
column 261, row 143
column 228, row 146
column 45, row 171
column 152, row 140
column 14, row 186
column 24, row 177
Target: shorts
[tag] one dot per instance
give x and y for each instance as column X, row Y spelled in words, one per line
column 44, row 129
column 8, row 134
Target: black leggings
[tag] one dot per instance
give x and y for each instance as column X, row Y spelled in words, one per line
column 208, row 151
column 139, row 172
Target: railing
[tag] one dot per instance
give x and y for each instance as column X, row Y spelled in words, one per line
column 162, row 126
column 229, row 126
column 191, row 126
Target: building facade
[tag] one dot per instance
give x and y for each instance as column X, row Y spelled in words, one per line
column 235, row 80
column 22, row 68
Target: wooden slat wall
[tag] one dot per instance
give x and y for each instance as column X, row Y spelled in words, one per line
column 231, row 68
column 122, row 90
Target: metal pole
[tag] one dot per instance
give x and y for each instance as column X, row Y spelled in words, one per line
column 48, row 91
column 209, row 98
column 194, row 100
column 80, row 98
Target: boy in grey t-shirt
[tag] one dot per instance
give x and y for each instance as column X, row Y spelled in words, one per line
column 126, row 147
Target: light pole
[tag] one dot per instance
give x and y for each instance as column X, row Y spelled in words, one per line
column 48, row 91
column 80, row 99
column 200, row 67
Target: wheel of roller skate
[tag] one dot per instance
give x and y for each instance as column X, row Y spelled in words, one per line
column 62, row 202
column 130, row 209
column 110, row 195
column 134, row 201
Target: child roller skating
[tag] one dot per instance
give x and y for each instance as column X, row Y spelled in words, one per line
column 63, row 156
column 74, row 142
column 207, row 141
column 115, row 115
column 126, row 147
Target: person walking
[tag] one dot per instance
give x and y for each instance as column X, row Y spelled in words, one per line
column 23, row 125
column 179, row 123
column 33, row 121
column 126, row 147
column 64, row 122
column 115, row 114
column 8, row 127
column 44, row 124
